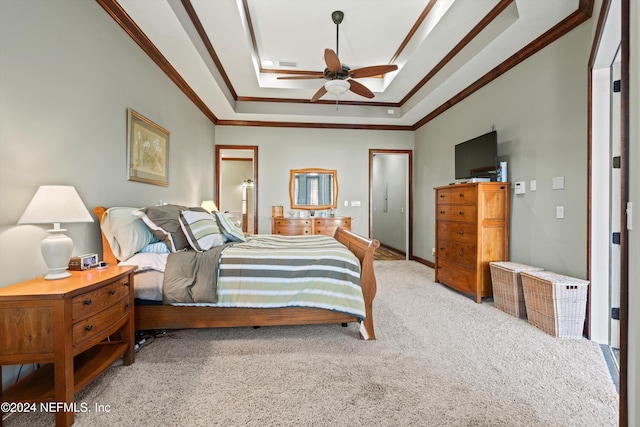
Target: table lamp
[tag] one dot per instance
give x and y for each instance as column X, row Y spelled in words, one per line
column 56, row 204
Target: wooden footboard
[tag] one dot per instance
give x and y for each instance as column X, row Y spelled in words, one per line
column 179, row 317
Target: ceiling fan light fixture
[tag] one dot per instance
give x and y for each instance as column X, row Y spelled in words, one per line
column 337, row 87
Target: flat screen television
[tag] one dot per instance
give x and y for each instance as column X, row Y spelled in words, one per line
column 477, row 157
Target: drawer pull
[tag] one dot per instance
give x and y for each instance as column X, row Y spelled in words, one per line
column 126, row 284
column 461, row 212
column 89, row 327
column 460, row 253
column 460, row 232
column 442, row 249
column 441, row 212
column 442, row 196
column 461, row 194
column 126, row 305
column 112, row 292
column 87, row 302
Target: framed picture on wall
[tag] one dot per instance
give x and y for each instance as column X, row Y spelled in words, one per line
column 147, row 150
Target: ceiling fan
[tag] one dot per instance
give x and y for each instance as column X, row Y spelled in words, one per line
column 339, row 76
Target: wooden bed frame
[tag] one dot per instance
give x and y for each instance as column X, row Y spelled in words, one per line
column 150, row 317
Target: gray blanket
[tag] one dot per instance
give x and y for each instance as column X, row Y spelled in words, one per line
column 191, row 277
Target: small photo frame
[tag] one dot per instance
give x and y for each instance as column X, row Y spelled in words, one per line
column 147, row 150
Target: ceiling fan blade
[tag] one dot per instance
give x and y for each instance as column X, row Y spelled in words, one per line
column 360, row 89
column 318, row 94
column 332, row 61
column 300, row 77
column 374, row 70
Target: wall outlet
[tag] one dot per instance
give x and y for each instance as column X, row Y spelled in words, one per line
column 559, row 212
column 346, row 203
column 433, row 251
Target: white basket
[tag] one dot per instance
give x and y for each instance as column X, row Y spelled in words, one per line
column 555, row 303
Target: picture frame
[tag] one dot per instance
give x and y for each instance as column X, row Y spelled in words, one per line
column 147, row 150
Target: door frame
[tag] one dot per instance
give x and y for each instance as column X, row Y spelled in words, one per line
column 218, row 154
column 624, row 190
column 409, row 153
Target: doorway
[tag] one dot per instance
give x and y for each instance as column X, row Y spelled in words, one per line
column 237, row 184
column 390, row 199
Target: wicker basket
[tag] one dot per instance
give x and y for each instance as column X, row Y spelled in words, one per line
column 507, row 287
column 555, row 303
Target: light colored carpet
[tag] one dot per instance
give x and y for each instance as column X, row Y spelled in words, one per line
column 440, row 360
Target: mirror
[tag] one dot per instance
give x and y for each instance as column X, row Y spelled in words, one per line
column 237, row 184
column 313, row 189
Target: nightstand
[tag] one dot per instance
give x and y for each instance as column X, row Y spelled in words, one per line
column 75, row 328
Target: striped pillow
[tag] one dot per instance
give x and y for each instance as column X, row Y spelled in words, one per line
column 201, row 230
column 229, row 228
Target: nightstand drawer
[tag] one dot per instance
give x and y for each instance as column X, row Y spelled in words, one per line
column 100, row 322
column 90, row 303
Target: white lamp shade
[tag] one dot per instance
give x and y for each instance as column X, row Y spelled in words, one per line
column 56, row 204
column 209, row 206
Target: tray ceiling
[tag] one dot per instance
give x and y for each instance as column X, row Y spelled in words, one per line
column 216, row 52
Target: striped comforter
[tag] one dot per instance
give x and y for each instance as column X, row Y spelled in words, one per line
column 290, row 271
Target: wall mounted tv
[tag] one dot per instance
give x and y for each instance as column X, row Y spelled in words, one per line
column 477, row 157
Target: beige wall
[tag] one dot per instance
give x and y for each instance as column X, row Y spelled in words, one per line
column 283, row 149
column 67, row 76
column 540, row 113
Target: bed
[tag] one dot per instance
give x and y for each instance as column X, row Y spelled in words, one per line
column 160, row 316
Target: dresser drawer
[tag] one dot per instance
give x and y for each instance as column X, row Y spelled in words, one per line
column 463, row 254
column 95, row 325
column 459, row 232
column 463, row 213
column 90, row 303
column 464, row 195
column 327, row 226
column 456, row 276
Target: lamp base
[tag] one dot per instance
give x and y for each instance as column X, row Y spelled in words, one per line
column 56, row 251
column 55, row 276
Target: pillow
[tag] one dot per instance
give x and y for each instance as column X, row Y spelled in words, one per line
column 164, row 224
column 201, row 230
column 155, row 248
column 229, row 228
column 125, row 232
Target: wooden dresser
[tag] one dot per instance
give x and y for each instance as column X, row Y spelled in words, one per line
column 75, row 327
column 472, row 229
column 315, row 225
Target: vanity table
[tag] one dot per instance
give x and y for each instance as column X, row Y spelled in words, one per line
column 312, row 225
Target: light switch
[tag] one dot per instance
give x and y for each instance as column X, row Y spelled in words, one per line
column 559, row 212
column 346, row 203
column 558, row 183
column 532, row 185
column 355, row 203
